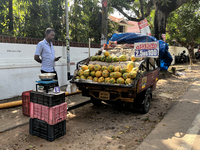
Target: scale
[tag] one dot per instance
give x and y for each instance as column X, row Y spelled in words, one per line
column 47, row 84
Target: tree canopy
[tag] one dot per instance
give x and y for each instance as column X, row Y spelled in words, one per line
column 184, row 26
column 30, row 18
column 137, row 10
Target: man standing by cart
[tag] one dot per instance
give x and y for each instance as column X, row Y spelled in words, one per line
column 46, row 51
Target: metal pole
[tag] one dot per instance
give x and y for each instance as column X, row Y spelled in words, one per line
column 89, row 47
column 146, row 37
column 67, row 39
column 104, row 24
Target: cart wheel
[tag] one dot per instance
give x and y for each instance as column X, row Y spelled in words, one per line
column 95, row 102
column 147, row 101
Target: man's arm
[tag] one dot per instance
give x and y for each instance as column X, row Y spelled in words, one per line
column 57, row 58
column 37, row 58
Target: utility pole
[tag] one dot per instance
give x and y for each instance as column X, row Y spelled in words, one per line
column 104, row 24
column 10, row 16
column 67, row 39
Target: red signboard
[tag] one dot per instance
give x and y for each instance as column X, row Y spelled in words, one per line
column 105, row 3
column 143, row 24
column 144, row 27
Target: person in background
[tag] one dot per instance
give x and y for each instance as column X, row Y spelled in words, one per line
column 46, row 51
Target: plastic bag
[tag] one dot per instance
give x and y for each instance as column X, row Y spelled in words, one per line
column 71, row 87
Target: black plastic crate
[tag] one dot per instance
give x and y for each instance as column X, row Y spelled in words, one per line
column 46, row 99
column 43, row 130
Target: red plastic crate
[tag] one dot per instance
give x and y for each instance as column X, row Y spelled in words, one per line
column 51, row 115
column 26, row 103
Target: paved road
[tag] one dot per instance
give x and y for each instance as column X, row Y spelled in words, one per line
column 180, row 127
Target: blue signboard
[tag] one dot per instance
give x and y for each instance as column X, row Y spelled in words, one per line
column 147, row 49
column 146, row 53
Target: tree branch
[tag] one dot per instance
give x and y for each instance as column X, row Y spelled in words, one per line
column 142, row 10
column 181, row 2
column 127, row 16
column 149, row 5
column 129, row 1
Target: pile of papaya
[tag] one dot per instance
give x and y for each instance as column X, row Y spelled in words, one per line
column 109, row 74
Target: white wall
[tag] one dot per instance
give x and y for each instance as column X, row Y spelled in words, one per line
column 77, row 54
column 19, row 71
column 175, row 51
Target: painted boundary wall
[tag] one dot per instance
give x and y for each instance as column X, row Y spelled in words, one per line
column 19, row 71
column 175, row 51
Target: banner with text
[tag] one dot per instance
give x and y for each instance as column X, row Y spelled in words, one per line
column 147, row 49
column 144, row 27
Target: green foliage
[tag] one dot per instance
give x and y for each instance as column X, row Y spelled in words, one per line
column 4, row 21
column 184, row 25
column 83, row 21
column 32, row 17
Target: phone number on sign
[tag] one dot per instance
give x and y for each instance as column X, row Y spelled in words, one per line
column 146, row 53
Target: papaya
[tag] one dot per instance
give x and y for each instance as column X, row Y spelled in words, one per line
column 95, row 79
column 93, row 58
column 99, row 57
column 117, row 75
column 106, row 54
column 112, row 75
column 84, row 67
column 117, row 69
column 133, row 58
column 120, row 80
column 91, row 67
column 112, row 80
column 80, row 72
column 122, row 58
column 105, row 73
column 107, row 80
column 130, row 66
column 89, row 78
column 82, row 77
column 86, row 73
column 97, row 67
column 111, row 68
column 124, row 70
column 103, row 58
column 126, row 75
column 92, row 73
column 104, row 67
column 133, row 74
column 128, row 81
column 115, row 59
column 101, row 80
column 108, row 59
column 98, row 74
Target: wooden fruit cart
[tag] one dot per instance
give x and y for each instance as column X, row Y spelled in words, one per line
column 138, row 93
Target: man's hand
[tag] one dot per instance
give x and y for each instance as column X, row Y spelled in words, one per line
column 57, row 58
column 37, row 58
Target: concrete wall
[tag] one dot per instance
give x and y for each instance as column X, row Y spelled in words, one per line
column 19, row 71
column 175, row 51
column 77, row 54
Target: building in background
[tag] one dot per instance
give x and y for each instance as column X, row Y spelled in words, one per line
column 124, row 25
column 134, row 28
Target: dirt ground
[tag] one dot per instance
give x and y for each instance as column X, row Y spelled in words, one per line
column 107, row 126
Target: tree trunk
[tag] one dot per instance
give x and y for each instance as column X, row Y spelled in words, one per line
column 159, row 24
column 191, row 55
column 10, row 16
column 161, row 14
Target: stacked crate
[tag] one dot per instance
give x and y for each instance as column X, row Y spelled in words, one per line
column 48, row 112
column 26, row 103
